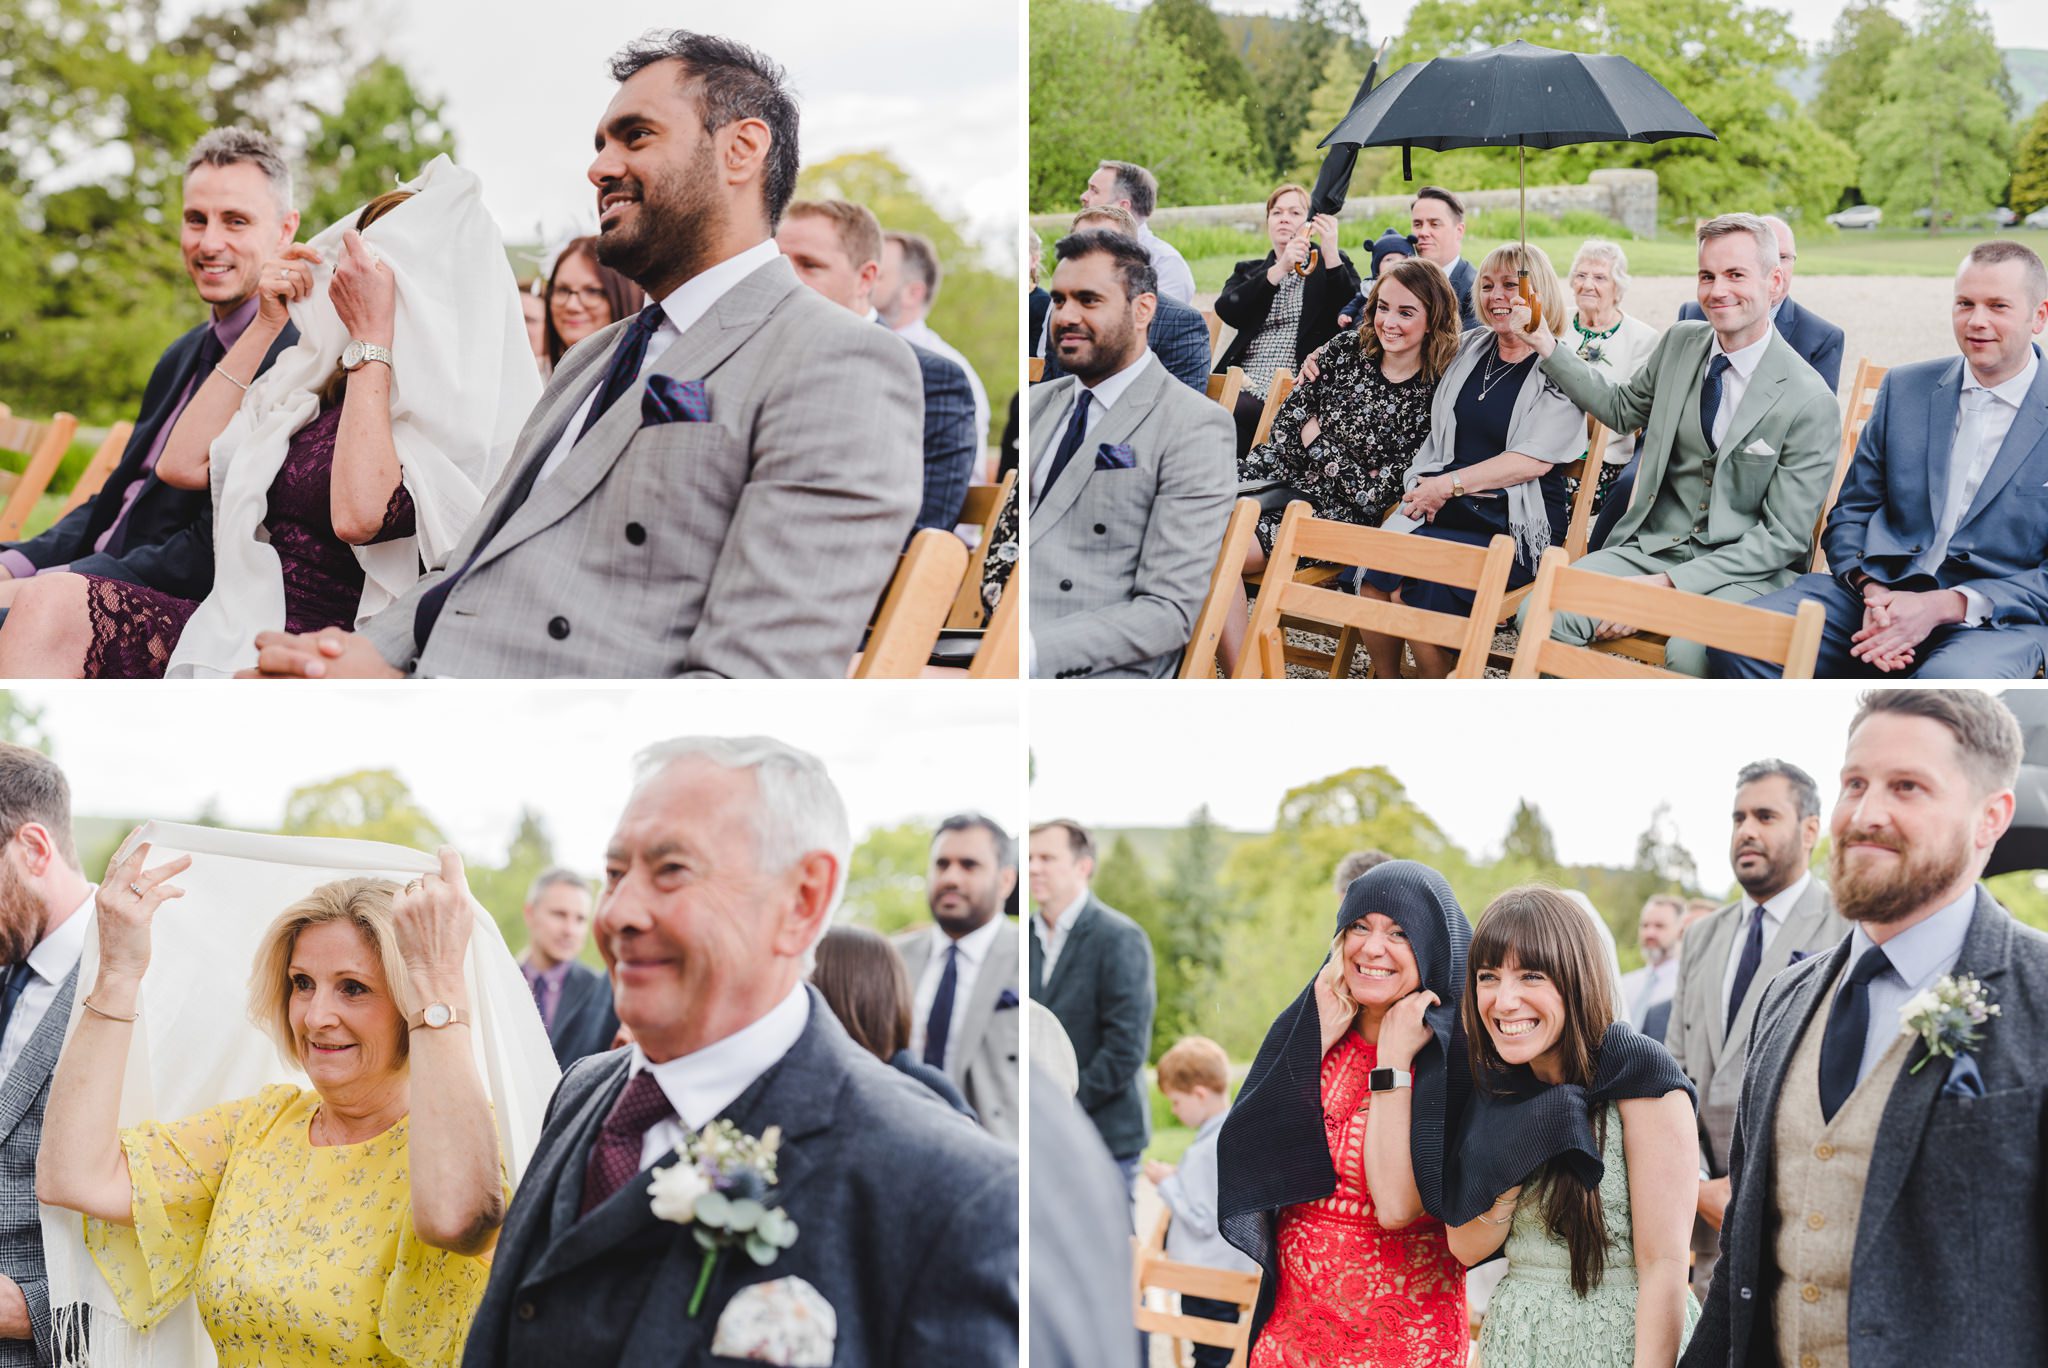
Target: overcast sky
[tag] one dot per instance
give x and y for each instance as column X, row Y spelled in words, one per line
column 2016, row 23
column 474, row 754
column 1595, row 759
column 934, row 83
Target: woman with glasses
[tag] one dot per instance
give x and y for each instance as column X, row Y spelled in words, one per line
column 583, row 296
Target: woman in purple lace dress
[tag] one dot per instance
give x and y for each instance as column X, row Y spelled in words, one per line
column 340, row 487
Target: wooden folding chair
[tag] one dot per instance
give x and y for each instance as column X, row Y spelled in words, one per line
column 1152, row 1271
column 1199, row 661
column 1224, row 387
column 1036, row 369
column 1484, row 570
column 1215, row 323
column 915, row 607
column 1578, row 529
column 997, row 657
column 94, row 476
column 1791, row 641
column 45, row 444
column 1862, row 398
column 1283, row 385
column 982, row 505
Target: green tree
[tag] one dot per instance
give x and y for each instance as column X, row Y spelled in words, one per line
column 21, row 722
column 1529, row 839
column 502, row 888
column 1724, row 60
column 2030, row 165
column 1101, row 85
column 1189, row 945
column 1219, row 72
column 367, row 805
column 885, row 879
column 1853, row 66
column 384, row 132
column 1120, row 881
column 1940, row 138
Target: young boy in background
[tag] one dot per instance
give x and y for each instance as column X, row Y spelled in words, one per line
column 1195, row 1076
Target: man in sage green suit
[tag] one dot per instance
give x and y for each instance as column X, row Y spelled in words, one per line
column 1739, row 440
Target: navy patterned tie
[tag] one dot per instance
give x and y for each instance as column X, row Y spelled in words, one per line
column 1070, row 443
column 1710, row 398
column 1745, row 967
column 940, row 1023
column 1841, row 1048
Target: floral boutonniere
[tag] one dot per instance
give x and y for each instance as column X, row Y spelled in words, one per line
column 723, row 1188
column 1946, row 1016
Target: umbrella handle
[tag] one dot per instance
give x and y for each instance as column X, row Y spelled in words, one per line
column 1528, row 293
column 1307, row 263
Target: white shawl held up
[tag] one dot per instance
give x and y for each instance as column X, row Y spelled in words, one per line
column 194, row 1046
column 462, row 383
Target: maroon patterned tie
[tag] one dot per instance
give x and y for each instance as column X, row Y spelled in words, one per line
column 615, row 1158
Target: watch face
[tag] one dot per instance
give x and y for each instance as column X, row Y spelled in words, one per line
column 352, row 355
column 439, row 1014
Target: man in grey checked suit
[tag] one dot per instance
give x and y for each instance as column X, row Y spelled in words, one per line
column 1890, row 1204
column 1132, row 478
column 1178, row 335
column 1783, row 916
column 44, row 905
column 965, row 1002
column 686, row 472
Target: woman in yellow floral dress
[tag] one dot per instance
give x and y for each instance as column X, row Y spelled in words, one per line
column 341, row 1225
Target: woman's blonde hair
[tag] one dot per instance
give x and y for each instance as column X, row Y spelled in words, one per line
column 362, row 903
column 1513, row 257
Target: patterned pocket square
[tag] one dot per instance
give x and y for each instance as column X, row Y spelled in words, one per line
column 1007, row 1001
column 1797, row 955
column 1964, row 1078
column 1116, row 457
column 669, row 400
column 785, row 1321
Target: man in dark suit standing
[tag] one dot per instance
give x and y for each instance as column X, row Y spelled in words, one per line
column 1179, row 336
column 720, row 877
column 1818, row 342
column 575, row 1001
column 237, row 216
column 1092, row 968
column 1890, row 1183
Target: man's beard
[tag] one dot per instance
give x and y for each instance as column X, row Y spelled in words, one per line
column 1106, row 354
column 972, row 917
column 22, row 916
column 670, row 237
column 1917, row 876
column 1779, row 872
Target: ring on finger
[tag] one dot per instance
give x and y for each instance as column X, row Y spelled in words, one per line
column 136, row 889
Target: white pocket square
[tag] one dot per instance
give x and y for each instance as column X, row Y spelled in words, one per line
column 1759, row 448
column 785, row 1322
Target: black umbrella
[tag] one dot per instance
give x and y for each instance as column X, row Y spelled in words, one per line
column 1333, row 182
column 1520, row 96
column 2025, row 843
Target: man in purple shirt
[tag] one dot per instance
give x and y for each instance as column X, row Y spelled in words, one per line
column 575, row 1001
column 237, row 215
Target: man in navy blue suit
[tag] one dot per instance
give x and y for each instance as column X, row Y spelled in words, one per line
column 1179, row 336
column 1818, row 341
column 1938, row 546
column 836, row 248
column 237, row 215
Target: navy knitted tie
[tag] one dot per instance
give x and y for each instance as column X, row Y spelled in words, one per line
column 1710, row 398
column 1070, row 443
column 940, row 1023
column 1841, row 1048
column 1745, row 967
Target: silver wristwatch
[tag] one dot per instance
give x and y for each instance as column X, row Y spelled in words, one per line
column 358, row 352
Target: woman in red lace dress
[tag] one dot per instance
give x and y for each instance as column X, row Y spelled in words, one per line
column 1329, row 1191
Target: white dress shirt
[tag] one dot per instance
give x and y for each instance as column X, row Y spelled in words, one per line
column 685, row 304
column 49, row 964
column 1778, row 908
column 1176, row 280
column 1106, row 391
column 974, row 948
column 1919, row 955
column 1984, row 415
column 1734, row 381
column 703, row 1084
column 1644, row 988
column 1051, row 938
column 920, row 334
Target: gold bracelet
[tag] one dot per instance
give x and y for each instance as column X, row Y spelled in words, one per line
column 222, row 372
column 97, row 1010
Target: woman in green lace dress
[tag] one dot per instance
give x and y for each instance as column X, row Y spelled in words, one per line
column 1596, row 1232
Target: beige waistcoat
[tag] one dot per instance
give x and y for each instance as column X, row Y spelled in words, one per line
column 1817, row 1179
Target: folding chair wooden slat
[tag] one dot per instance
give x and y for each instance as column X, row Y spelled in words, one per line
column 1215, row 323
column 983, row 503
column 45, row 444
column 1036, row 369
column 1152, row 1270
column 1283, row 385
column 1791, row 641
column 1198, row 661
column 997, row 658
column 915, row 607
column 1862, row 398
column 94, row 477
column 1225, row 387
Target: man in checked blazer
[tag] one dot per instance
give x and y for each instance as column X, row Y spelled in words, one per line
column 1890, row 1203
column 719, row 487
column 1728, row 957
column 42, row 934
column 1132, row 476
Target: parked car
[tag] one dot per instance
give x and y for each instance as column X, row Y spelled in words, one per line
column 2037, row 219
column 2003, row 216
column 1857, row 216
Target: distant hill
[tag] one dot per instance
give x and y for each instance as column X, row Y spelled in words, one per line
column 1153, row 843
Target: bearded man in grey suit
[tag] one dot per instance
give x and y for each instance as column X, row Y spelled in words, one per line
column 683, row 467
column 1890, row 1203
column 720, row 877
column 44, row 906
column 1783, row 916
column 1132, row 476
column 965, row 993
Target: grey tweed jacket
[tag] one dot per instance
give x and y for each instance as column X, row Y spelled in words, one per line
column 22, row 1096
column 754, row 545
column 982, row 1061
column 1952, row 1240
column 1121, row 556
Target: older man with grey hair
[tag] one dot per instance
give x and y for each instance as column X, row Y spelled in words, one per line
column 1738, row 444
column 722, row 874
column 1818, row 342
column 1133, row 188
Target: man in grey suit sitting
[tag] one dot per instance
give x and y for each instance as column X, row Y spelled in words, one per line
column 965, row 993
column 1890, row 1200
column 684, row 469
column 1178, row 336
column 1783, row 916
column 42, row 933
column 575, row 1001
column 721, row 876
column 1131, row 474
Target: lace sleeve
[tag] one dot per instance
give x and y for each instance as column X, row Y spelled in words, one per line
column 399, row 521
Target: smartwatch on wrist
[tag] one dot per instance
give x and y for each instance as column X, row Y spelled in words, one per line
column 1386, row 1080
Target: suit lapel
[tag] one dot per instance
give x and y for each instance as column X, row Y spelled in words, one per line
column 570, row 1011
column 1942, row 408
column 1727, row 933
column 2029, row 426
column 1130, row 409
column 31, row 1071
column 1986, row 949
column 998, row 971
column 1799, row 924
column 1766, row 387
column 560, row 1175
column 1767, row 1066
column 1077, row 937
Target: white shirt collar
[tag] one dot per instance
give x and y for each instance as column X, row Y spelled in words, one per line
column 974, row 945
column 1746, row 360
column 1780, row 904
column 692, row 299
column 1110, row 388
column 2013, row 392
column 702, row 1084
column 1927, row 949
column 56, row 953
column 1067, row 918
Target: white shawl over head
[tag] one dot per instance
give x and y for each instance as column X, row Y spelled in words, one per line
column 194, row 1046
column 462, row 383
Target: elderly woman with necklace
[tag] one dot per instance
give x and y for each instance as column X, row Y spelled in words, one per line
column 1610, row 341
